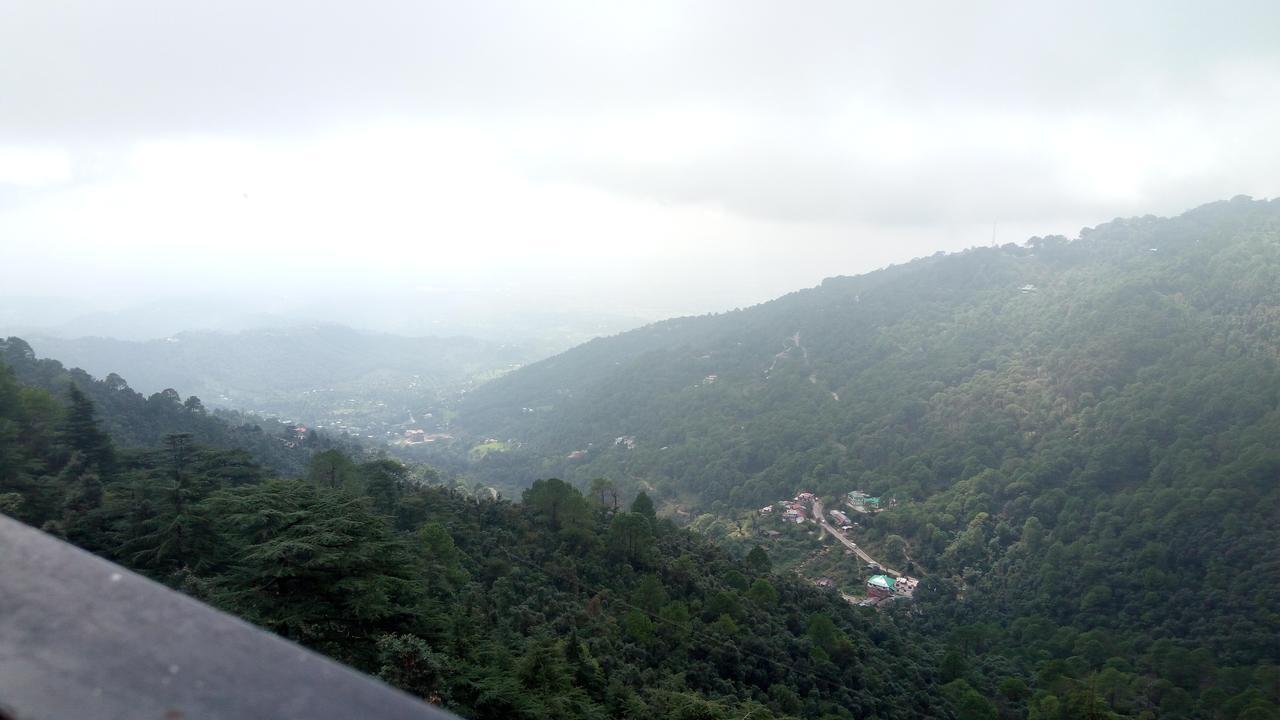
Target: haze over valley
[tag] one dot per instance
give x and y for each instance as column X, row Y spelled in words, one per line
column 706, row 361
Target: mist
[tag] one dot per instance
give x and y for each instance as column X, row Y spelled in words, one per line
column 442, row 167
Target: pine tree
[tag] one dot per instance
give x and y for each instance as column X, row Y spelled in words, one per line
column 643, row 506
column 80, row 432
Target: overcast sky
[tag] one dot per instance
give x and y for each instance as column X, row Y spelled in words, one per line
column 647, row 156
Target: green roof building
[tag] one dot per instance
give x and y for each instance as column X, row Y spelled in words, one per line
column 880, row 585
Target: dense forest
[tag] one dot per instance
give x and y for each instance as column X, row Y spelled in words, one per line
column 136, row 420
column 1080, row 435
column 564, row 606
column 990, row 348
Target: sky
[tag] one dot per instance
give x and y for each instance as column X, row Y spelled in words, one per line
column 647, row 159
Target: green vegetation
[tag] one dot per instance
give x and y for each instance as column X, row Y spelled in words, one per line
column 137, row 421
column 491, row 446
column 364, row 383
column 559, row 607
column 1080, row 436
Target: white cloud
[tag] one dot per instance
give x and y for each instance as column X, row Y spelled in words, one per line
column 693, row 156
column 33, row 167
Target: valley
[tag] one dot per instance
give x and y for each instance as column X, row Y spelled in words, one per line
column 374, row 387
column 706, row 360
column 1019, row 493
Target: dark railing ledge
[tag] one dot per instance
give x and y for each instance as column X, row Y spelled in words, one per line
column 83, row 639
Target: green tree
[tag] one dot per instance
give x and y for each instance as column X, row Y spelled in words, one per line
column 604, row 492
column 385, row 481
column 81, row 433
column 319, row 567
column 642, row 505
column 650, row 595
column 558, row 504
column 969, row 704
column 331, row 469
column 409, row 663
column 763, row 593
column 758, row 561
column 638, row 625
column 630, row 538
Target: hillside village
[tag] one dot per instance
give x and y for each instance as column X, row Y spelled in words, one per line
column 882, row 586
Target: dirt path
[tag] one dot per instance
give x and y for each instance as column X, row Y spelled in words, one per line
column 795, row 344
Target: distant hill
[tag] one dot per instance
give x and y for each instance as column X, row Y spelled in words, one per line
column 304, row 373
column 1075, row 441
column 134, row 420
column 1080, row 437
column 542, row 326
column 851, row 381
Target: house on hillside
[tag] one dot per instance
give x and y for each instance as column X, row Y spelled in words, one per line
column 880, row 586
column 861, row 502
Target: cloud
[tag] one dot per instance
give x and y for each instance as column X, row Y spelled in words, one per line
column 753, row 146
column 33, row 167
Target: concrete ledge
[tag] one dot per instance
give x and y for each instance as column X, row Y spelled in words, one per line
column 83, row 638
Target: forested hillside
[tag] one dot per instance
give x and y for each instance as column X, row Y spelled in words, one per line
column 137, row 421
column 1080, row 436
column 990, row 348
column 560, row 607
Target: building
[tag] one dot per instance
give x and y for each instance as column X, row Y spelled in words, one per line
column 793, row 510
column 863, row 503
column 880, row 586
column 839, row 517
column 793, row 515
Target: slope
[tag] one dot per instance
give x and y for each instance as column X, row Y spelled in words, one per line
column 557, row 607
column 137, row 421
column 992, row 347
column 1079, row 435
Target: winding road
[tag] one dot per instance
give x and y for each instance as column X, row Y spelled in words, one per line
column 821, row 519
